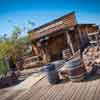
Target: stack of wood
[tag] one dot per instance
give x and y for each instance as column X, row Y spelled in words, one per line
column 91, row 57
column 66, row 54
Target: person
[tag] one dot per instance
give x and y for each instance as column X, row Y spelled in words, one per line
column 13, row 68
column 12, row 65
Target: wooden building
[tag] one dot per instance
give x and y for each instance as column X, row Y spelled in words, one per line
column 60, row 34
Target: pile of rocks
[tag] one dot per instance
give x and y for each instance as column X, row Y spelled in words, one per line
column 91, row 58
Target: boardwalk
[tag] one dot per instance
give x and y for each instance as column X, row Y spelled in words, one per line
column 42, row 90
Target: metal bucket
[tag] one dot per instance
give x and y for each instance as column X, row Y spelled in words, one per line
column 52, row 74
column 76, row 69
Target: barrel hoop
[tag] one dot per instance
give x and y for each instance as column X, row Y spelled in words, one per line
column 74, row 60
column 77, row 79
column 75, row 67
column 71, row 64
column 77, row 76
column 77, row 71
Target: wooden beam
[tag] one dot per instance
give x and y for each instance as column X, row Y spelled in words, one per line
column 80, row 35
column 35, row 50
column 86, row 30
column 70, row 42
column 82, row 39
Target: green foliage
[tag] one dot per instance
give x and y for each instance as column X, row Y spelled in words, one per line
column 17, row 29
column 3, row 67
column 4, row 48
column 31, row 23
column 33, row 42
column 14, row 45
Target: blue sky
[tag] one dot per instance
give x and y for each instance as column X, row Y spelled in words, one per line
column 42, row 11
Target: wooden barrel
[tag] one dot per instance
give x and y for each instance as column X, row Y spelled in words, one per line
column 76, row 69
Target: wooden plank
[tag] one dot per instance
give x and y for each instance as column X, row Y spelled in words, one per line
column 72, row 91
column 69, row 92
column 5, row 95
column 80, row 91
column 34, row 89
column 19, row 95
column 69, row 42
column 9, row 95
column 86, row 89
column 94, row 33
column 89, row 95
column 55, row 92
column 44, row 88
column 3, row 92
column 48, row 94
column 78, row 88
column 28, row 94
column 97, row 92
column 13, row 95
column 40, row 93
column 64, row 90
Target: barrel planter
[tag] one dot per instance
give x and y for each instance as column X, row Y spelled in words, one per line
column 76, row 70
column 52, row 74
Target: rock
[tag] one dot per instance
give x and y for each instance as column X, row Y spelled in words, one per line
column 91, row 55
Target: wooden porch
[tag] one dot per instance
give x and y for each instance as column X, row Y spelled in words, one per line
column 42, row 90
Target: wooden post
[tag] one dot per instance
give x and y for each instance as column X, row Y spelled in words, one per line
column 81, row 40
column 87, row 34
column 35, row 50
column 70, row 43
column 80, row 35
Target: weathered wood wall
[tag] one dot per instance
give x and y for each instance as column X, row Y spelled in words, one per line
column 81, row 29
column 70, row 20
column 74, row 36
column 92, row 28
column 85, row 30
column 56, row 45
